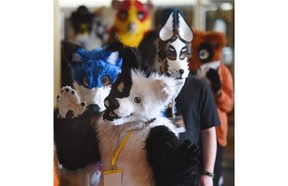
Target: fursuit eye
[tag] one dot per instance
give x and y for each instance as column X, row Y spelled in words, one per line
column 140, row 16
column 203, row 54
column 183, row 53
column 85, row 82
column 105, row 80
column 137, row 100
column 123, row 15
column 171, row 53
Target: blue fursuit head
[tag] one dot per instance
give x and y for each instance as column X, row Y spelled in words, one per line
column 93, row 72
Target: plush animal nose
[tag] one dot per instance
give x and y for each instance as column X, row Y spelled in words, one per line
column 181, row 71
column 93, row 107
column 112, row 104
column 131, row 27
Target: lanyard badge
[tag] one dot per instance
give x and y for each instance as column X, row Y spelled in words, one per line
column 114, row 176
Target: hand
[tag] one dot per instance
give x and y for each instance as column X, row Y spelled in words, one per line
column 205, row 181
column 214, row 78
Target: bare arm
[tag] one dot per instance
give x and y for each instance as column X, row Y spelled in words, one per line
column 209, row 147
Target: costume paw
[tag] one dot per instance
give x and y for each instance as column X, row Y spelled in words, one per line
column 214, row 78
column 69, row 104
column 188, row 153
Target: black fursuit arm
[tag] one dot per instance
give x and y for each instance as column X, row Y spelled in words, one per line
column 171, row 160
column 76, row 141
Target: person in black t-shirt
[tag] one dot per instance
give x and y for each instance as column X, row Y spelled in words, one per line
column 194, row 101
column 196, row 104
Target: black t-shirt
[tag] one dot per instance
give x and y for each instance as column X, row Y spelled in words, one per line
column 196, row 104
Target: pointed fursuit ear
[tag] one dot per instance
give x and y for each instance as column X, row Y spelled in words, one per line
column 185, row 30
column 149, row 6
column 166, row 31
column 113, row 58
column 68, row 51
column 116, row 45
column 115, row 4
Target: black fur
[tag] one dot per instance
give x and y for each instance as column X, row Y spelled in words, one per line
column 116, row 45
column 76, row 140
column 214, row 78
column 171, row 160
column 208, row 48
column 148, row 50
column 67, row 49
column 131, row 60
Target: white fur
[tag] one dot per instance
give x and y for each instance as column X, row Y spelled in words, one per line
column 68, row 101
column 132, row 159
column 90, row 41
column 185, row 32
column 155, row 91
column 93, row 96
column 113, row 58
column 175, row 65
column 166, row 32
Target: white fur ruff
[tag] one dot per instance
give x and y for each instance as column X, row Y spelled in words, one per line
column 93, row 96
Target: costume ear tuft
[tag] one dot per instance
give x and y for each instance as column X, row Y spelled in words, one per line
column 68, row 50
column 113, row 58
column 166, row 31
column 185, row 30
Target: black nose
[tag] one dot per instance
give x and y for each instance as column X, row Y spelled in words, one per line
column 181, row 71
column 93, row 107
column 113, row 104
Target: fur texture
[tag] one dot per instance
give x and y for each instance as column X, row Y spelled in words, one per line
column 207, row 48
column 153, row 155
column 93, row 71
column 87, row 29
column 153, row 146
column 142, row 104
column 75, row 136
column 132, row 20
